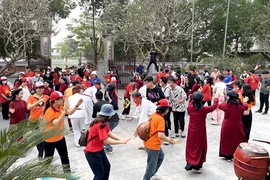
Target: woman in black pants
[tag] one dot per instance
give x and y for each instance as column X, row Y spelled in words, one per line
column 99, row 135
column 54, row 116
column 247, row 116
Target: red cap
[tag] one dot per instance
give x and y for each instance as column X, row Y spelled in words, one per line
column 163, row 103
column 55, row 95
column 3, row 78
column 39, row 84
column 24, row 79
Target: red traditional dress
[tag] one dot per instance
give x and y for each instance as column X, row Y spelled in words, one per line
column 196, row 147
column 232, row 130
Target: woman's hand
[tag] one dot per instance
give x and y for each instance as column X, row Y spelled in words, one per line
column 79, row 102
column 217, row 95
column 245, row 99
column 12, row 110
column 120, row 98
column 125, row 140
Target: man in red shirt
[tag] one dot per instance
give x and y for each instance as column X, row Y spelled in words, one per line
column 129, row 90
column 253, row 80
column 108, row 77
column 29, row 72
column 159, row 75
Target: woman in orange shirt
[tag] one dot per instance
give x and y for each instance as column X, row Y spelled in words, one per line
column 36, row 105
column 5, row 97
column 54, row 116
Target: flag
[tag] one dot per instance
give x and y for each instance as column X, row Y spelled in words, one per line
column 258, row 65
column 243, row 63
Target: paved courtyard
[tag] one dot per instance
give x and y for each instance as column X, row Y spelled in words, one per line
column 128, row 163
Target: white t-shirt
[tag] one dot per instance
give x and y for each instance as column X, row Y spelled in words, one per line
column 220, row 86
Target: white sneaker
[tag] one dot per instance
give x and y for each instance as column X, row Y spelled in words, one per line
column 122, row 117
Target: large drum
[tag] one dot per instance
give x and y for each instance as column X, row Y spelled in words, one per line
column 251, row 162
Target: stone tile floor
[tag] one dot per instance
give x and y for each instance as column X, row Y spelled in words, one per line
column 128, row 163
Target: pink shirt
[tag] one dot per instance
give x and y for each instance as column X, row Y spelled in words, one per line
column 214, row 76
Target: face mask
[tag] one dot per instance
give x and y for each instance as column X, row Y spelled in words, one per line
column 37, row 75
column 85, row 79
column 4, row 82
column 205, row 81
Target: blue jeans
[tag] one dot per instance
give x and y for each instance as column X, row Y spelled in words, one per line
column 99, row 164
column 154, row 161
column 112, row 125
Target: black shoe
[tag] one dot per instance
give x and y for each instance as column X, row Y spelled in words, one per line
column 6, row 119
column 264, row 113
column 259, row 111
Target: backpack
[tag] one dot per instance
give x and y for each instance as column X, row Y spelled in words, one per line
column 143, row 130
column 83, row 138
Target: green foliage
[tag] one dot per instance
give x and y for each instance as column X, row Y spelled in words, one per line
column 68, row 47
column 212, row 27
column 16, row 142
column 60, row 9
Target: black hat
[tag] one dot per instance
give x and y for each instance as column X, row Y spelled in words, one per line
column 232, row 94
column 197, row 96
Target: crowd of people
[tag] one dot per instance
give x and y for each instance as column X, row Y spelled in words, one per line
column 50, row 95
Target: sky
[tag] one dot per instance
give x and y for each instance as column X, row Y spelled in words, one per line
column 61, row 26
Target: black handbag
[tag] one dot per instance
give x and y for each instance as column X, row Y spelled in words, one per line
column 83, row 141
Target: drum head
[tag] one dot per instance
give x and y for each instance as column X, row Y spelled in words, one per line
column 254, row 149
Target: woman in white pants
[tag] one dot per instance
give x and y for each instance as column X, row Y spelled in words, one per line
column 77, row 118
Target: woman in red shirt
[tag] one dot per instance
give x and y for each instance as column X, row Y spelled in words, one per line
column 99, row 133
column 5, row 94
column 17, row 107
column 207, row 90
column 63, row 85
column 56, row 79
column 86, row 82
column 47, row 89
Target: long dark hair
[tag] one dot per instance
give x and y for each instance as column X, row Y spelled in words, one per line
column 100, row 119
column 161, row 109
column 247, row 92
column 210, row 81
column 48, row 104
column 15, row 93
column 233, row 98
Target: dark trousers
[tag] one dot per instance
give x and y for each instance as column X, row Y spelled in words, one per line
column 254, row 92
column 153, row 62
column 126, row 110
column 179, row 117
column 69, row 123
column 247, row 122
column 264, row 100
column 168, row 122
column 99, row 164
column 41, row 149
column 5, row 107
column 61, row 148
column 57, row 87
column 208, row 103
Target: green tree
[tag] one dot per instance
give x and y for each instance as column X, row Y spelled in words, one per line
column 88, row 36
column 210, row 35
column 68, row 47
column 152, row 23
column 22, row 23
